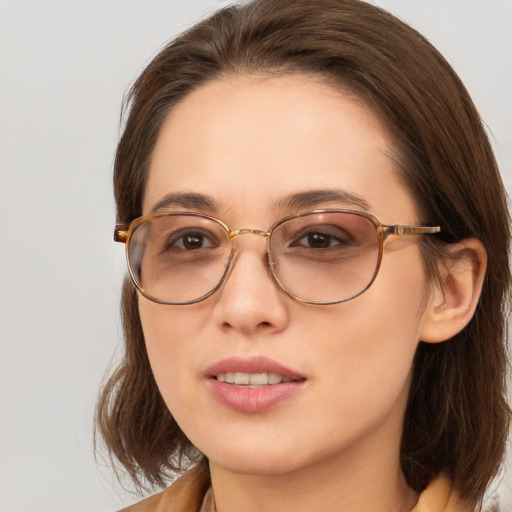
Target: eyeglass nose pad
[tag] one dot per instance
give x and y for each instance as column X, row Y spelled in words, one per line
column 272, row 259
column 230, row 263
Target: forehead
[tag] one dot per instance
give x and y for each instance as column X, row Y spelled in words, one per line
column 249, row 141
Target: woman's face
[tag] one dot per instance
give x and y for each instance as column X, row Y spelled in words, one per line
column 251, row 144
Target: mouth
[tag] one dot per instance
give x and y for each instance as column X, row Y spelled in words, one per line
column 253, row 380
column 253, row 385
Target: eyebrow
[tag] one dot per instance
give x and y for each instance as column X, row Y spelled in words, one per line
column 184, row 200
column 314, row 198
column 292, row 202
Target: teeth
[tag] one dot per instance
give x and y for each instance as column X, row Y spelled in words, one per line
column 273, row 378
column 258, row 379
column 251, row 379
column 242, row 378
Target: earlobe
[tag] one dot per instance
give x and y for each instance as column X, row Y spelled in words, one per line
column 452, row 302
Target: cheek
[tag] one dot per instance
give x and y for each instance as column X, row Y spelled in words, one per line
column 368, row 362
column 366, row 347
column 171, row 346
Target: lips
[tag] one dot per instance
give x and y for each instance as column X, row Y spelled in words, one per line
column 252, row 385
column 252, row 365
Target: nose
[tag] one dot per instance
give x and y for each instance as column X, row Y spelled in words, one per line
column 249, row 301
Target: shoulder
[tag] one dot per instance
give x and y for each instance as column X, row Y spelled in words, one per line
column 186, row 494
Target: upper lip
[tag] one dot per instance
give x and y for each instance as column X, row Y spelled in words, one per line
column 255, row 364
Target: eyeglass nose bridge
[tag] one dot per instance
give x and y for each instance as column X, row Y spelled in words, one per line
column 258, row 232
column 248, row 231
column 272, row 260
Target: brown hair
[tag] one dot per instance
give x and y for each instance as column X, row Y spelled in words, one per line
column 457, row 417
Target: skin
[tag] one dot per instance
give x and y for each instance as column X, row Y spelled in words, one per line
column 248, row 142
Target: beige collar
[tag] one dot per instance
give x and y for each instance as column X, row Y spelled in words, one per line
column 440, row 496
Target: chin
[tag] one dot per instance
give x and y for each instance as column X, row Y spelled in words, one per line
column 255, row 466
column 275, row 461
column 255, row 459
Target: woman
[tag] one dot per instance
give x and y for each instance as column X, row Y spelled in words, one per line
column 318, row 238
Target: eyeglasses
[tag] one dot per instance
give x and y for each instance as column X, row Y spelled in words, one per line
column 317, row 257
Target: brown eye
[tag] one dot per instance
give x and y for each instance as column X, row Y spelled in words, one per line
column 318, row 240
column 192, row 242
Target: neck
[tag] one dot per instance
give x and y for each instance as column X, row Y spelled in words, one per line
column 353, row 484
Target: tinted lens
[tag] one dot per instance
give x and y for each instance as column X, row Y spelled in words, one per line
column 325, row 257
column 178, row 258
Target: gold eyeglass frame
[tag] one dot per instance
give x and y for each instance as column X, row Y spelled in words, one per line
column 124, row 231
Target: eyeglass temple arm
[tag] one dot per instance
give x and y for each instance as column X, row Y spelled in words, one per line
column 121, row 233
column 404, row 229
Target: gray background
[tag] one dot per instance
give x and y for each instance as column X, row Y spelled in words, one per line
column 64, row 66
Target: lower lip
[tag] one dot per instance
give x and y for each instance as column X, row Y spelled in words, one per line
column 253, row 400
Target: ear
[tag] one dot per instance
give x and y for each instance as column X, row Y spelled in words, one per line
column 453, row 301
